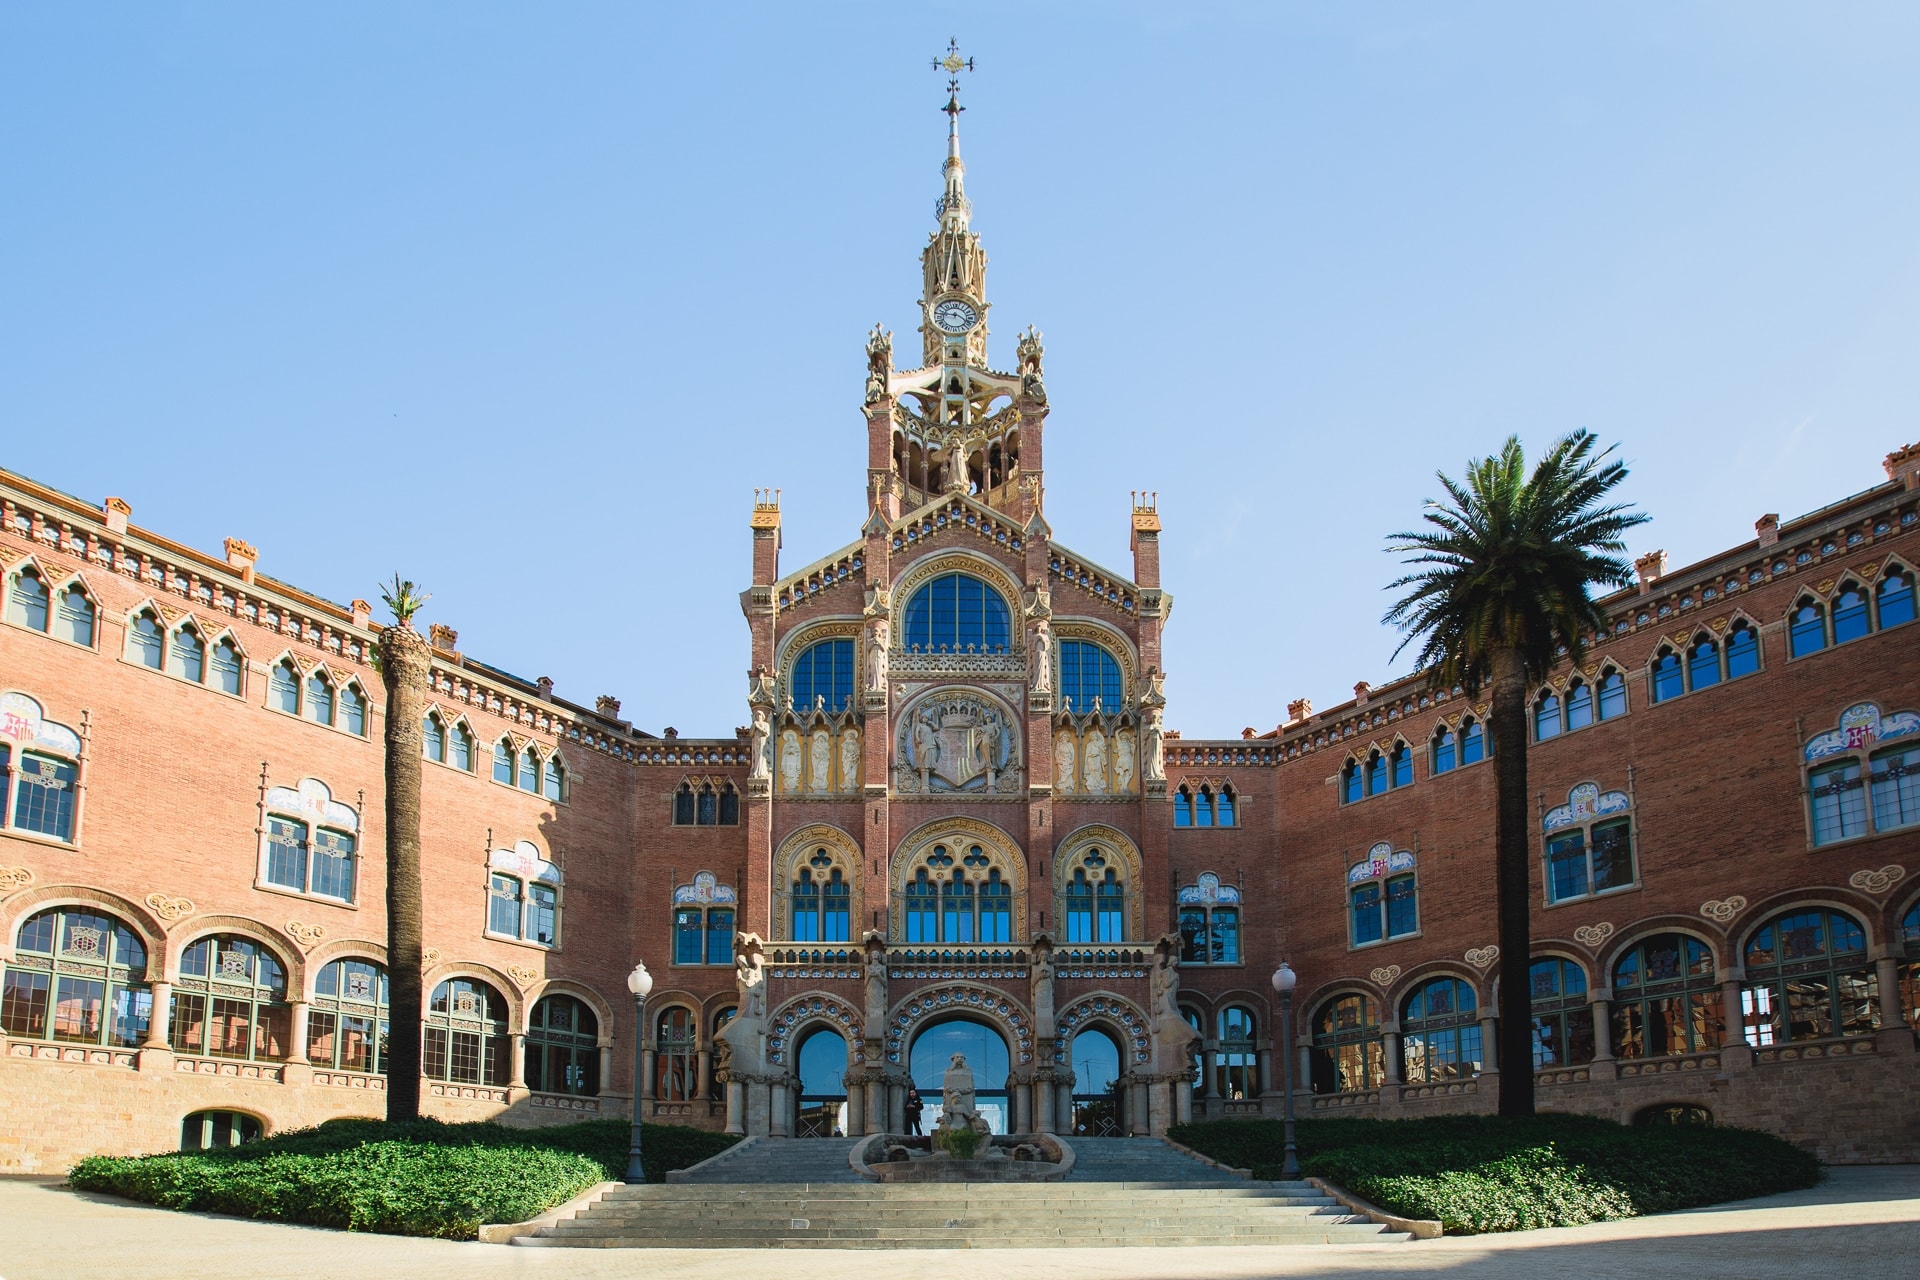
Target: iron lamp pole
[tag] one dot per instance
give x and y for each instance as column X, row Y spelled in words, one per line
column 639, row 982
column 1283, row 980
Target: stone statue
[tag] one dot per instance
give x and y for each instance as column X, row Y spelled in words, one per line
column 877, row 655
column 741, row 1037
column 1042, row 653
column 1123, row 761
column 821, row 759
column 1063, row 762
column 1154, row 766
column 789, row 761
column 958, row 1108
column 1096, row 763
column 762, row 735
column 926, row 744
column 850, row 761
column 1171, row 1030
column 879, row 363
column 1031, row 354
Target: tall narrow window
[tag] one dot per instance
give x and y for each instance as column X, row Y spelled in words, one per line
column 1613, row 694
column 503, row 762
column 73, row 620
column 823, row 676
column 466, row 1039
column 230, row 1001
column 1350, row 782
column 353, row 710
column 1347, row 1047
column 1806, row 629
column 1579, row 704
column 1400, row 766
column 1849, row 615
column 563, row 1048
column 1896, row 788
column 1224, row 804
column 1440, row 1033
column 923, row 910
column 1236, row 1063
column 1895, row 599
column 553, row 780
column 1089, row 674
column 319, row 699
column 189, row 658
column 433, row 738
column 835, row 908
column 1808, row 978
column 1182, row 807
column 729, row 806
column 226, row 667
column 27, row 601
column 146, row 640
column 530, row 770
column 543, row 915
column 77, row 976
column 805, row 899
column 1473, row 743
column 1562, row 1016
column 996, row 909
column 1376, row 773
column 683, row 805
column 1113, row 908
column 462, row 743
column 1668, row 681
column 43, row 797
column 1367, row 923
column 1839, row 803
column 503, row 905
column 283, row 688
column 719, row 935
column 1444, row 749
column 1203, row 808
column 687, row 935
column 1743, row 651
column 707, row 812
column 1665, row 999
column 1703, row 664
column 347, row 1023
column 1546, row 717
column 674, row 1078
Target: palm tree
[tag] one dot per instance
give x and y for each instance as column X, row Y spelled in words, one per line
column 1502, row 595
column 404, row 659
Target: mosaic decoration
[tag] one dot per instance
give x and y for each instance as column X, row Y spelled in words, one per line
column 359, row 985
column 306, row 934
column 1481, row 957
column 1592, row 935
column 311, row 799
column 1385, row 974
column 802, row 1011
column 524, row 860
column 1207, row 891
column 1861, row 726
column 704, row 890
column 21, row 721
column 959, row 1000
column 84, row 942
column 467, row 1004
column 1585, row 803
column 331, row 844
column 1878, row 882
column 170, row 909
column 1382, row 860
column 1134, row 1026
column 1722, row 910
column 236, row 964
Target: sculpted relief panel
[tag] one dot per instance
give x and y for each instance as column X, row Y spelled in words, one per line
column 957, row 740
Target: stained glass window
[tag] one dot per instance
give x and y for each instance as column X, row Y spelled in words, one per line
column 76, row 976
column 1808, row 978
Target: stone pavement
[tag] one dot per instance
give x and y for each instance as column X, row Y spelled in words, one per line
column 1861, row 1224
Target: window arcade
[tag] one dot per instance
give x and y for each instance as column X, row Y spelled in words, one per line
column 1095, row 906
column 1209, row 921
column 39, row 772
column 78, row 977
column 230, row 1001
column 28, row 600
column 958, row 895
column 703, row 920
column 466, row 1034
column 563, row 1047
column 1808, row 977
column 1457, row 749
column 1589, row 844
column 1382, row 896
column 1382, row 771
column 66, row 613
column 706, row 802
column 310, row 844
column 527, row 770
column 1205, row 804
column 347, row 1022
column 523, row 895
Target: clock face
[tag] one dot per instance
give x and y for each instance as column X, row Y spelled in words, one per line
column 955, row 316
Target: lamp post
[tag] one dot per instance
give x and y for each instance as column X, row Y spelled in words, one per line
column 1283, row 980
column 639, row 982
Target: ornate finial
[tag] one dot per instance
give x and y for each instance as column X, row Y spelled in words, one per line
column 879, row 363
column 953, row 64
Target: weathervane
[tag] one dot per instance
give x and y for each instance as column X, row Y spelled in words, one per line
column 953, row 64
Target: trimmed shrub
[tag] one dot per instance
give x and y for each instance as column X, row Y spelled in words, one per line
column 424, row 1178
column 1481, row 1173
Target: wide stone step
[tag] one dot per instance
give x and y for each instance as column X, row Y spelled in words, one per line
column 963, row 1240
column 1011, row 1220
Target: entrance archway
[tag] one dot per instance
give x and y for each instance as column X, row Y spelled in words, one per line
column 986, row 1054
column 1096, row 1088
column 821, row 1110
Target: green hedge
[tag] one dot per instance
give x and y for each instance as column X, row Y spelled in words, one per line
column 418, row 1179
column 1482, row 1173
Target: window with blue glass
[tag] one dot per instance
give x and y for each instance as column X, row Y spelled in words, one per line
column 956, row 613
column 1703, row 663
column 1209, row 921
column 1400, row 765
column 1806, row 629
column 1088, row 673
column 1893, row 599
column 1613, row 695
column 1440, row 1033
column 1473, row 742
column 1743, row 650
column 1383, row 900
column 823, row 676
column 702, row 803
column 1546, row 716
column 1453, row 749
column 1669, row 676
column 1850, row 614
column 703, row 921
column 821, row 901
column 1579, row 704
column 1094, row 904
column 353, row 710
column 1589, row 844
column 1446, row 751
column 28, row 600
column 460, row 747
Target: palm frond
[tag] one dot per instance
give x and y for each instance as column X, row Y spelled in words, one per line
column 403, row 599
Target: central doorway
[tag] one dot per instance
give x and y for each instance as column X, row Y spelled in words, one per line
column 821, row 1111
column 1096, row 1086
column 986, row 1053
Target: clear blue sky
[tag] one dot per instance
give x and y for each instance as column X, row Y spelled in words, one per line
column 525, row 300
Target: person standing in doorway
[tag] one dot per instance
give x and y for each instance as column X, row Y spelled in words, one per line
column 914, row 1107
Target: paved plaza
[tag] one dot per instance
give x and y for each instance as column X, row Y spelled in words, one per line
column 1862, row 1223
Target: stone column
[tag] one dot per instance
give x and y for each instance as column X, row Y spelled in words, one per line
column 856, row 1124
column 1266, row 1070
column 1182, row 1102
column 1390, row 1052
column 1602, row 1029
column 1020, row 1103
column 1063, row 1102
column 1887, row 969
column 1207, row 1089
column 516, row 1070
column 1303, row 1077
column 1490, row 1048
column 1733, row 1030
column 703, row 1063
column 1139, row 1121
column 736, row 1107
column 1045, row 1111
column 896, row 1107
column 780, row 1114
column 297, row 1035
column 156, row 1037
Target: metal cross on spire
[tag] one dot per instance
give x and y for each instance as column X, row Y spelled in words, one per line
column 953, row 64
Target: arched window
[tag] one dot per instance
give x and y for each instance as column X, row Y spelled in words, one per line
column 1203, row 807
column 1095, row 907
column 283, row 688
column 923, row 908
column 1445, row 751
column 308, row 857
column 1908, row 973
column 1579, row 704
column 996, row 909
column 563, row 1048
column 1182, row 807
column 1668, row 681
column 353, row 710
column 1839, row 802
column 1236, row 1062
column 1350, row 782
column 1806, row 629
column 146, row 640
column 77, row 976
column 957, row 613
column 1894, row 602
column 674, row 1036
column 1613, row 694
column 1209, row 922
column 1665, row 999
column 433, row 738
column 821, row 901
column 43, row 790
column 466, row 1034
column 347, row 1025
column 1225, row 808
column 1440, row 1032
column 1546, row 716
column 462, row 747
column 530, row 770
column 1703, row 664
column 1589, row 843
column 553, row 780
column 73, row 620
column 823, row 675
column 1376, row 773
column 1743, row 650
column 1473, row 742
column 525, row 908
column 1399, row 767
column 1850, row 614
column 189, row 657
column 1808, row 978
column 1347, row 1052
column 1562, row 1014
column 27, row 602
column 319, row 698
column 227, row 668
column 503, row 762
column 683, row 799
column 1896, row 787
column 230, row 1001
column 1088, row 673
column 211, row 1130
column 1382, row 897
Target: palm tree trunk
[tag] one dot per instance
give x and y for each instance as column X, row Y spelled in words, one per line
column 404, row 659
column 1513, row 859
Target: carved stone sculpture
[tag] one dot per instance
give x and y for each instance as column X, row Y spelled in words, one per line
column 820, row 758
column 1063, row 762
column 849, row 760
column 789, row 761
column 1154, row 766
column 877, row 655
column 762, row 736
column 1041, row 650
column 1123, row 766
column 1095, row 771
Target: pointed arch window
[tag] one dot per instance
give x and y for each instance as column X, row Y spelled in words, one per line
column 1440, row 1032
column 1400, row 766
column 823, row 676
column 227, row 667
column 1352, row 785
column 1850, row 620
column 319, row 698
column 466, row 1038
column 1182, row 807
column 1894, row 598
column 957, row 613
column 1546, row 716
column 1669, row 679
column 347, row 1023
column 188, row 659
column 28, row 600
column 1703, row 664
column 563, row 1048
column 530, row 770
column 996, row 908
column 1613, row 694
column 433, row 738
column 1203, row 807
column 1376, row 773
column 553, row 779
column 1446, row 751
column 146, row 641
column 77, row 977
column 353, row 710
column 820, row 901
column 1579, row 704
column 706, row 805
column 503, row 762
column 1473, row 742
column 1808, row 978
column 1806, row 629
column 461, row 744
column 73, row 619
column 1562, row 1014
column 1348, row 1050
column 230, row 1001
column 1089, row 674
column 1665, row 999
column 1743, row 650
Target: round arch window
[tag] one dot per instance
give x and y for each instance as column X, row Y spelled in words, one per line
column 956, row 613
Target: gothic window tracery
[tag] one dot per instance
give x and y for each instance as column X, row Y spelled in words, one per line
column 1095, row 910
column 958, row 895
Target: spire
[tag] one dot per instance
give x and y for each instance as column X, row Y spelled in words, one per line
column 954, row 208
column 954, row 297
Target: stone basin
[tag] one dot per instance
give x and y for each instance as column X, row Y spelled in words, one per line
column 1016, row 1157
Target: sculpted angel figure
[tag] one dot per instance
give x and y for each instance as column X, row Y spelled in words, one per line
column 790, row 761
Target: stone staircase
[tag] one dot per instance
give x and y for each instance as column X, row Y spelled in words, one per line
column 801, row 1194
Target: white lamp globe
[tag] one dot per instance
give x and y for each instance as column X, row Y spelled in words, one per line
column 640, row 982
column 1283, row 979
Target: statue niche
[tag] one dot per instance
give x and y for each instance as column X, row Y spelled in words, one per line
column 956, row 741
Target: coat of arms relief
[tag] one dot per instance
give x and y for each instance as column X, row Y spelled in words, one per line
column 956, row 741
